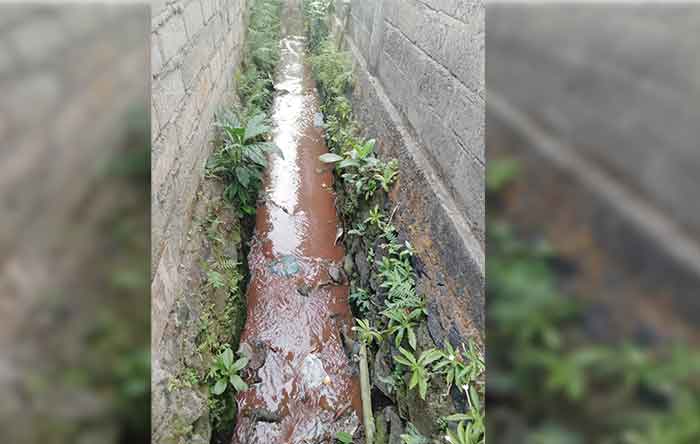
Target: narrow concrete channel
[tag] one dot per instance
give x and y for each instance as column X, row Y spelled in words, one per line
column 303, row 387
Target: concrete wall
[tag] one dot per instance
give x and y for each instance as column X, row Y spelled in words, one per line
column 68, row 75
column 603, row 103
column 621, row 83
column 59, row 67
column 429, row 57
column 420, row 92
column 195, row 51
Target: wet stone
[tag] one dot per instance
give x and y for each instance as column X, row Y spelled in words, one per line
column 348, row 265
column 335, row 274
column 395, row 426
column 362, row 268
column 264, row 415
column 382, row 370
column 304, row 290
column 285, row 266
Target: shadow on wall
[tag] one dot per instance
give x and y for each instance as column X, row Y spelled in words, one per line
column 592, row 224
column 74, row 187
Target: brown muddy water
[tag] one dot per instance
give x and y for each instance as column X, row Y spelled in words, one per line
column 303, row 387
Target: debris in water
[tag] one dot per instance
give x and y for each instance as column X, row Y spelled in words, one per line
column 313, row 373
column 304, row 290
column 338, row 235
column 285, row 266
column 263, row 415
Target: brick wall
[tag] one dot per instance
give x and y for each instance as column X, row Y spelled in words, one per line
column 195, row 51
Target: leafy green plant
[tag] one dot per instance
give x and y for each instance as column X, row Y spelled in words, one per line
column 420, row 373
column 460, row 367
column 255, row 90
column 466, row 432
column 224, row 372
column 402, row 322
column 242, row 156
column 453, row 365
column 387, row 174
column 316, row 13
column 359, row 230
column 262, row 41
column 333, row 71
column 398, row 278
column 471, row 428
column 224, row 273
column 413, row 436
column 366, row 333
column 360, row 298
column 343, row 437
column 375, row 217
column 215, row 279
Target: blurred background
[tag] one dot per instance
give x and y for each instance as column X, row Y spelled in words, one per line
column 74, row 223
column 593, row 310
column 593, row 223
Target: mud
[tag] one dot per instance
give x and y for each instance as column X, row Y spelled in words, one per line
column 303, row 386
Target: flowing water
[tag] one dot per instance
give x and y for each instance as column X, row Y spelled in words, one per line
column 303, row 386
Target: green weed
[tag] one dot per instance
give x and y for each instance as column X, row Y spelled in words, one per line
column 242, row 157
column 343, row 437
column 402, row 323
column 366, row 333
column 418, row 367
column 412, row 436
column 460, row 368
column 224, row 372
column 361, row 299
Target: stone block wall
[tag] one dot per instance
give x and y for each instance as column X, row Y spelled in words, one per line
column 69, row 74
column 195, row 51
column 620, row 83
column 429, row 57
column 419, row 69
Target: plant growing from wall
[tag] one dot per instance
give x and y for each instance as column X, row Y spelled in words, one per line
column 316, row 13
column 418, row 368
column 413, row 436
column 366, row 333
column 343, row 437
column 242, row 157
column 537, row 336
column 238, row 160
column 469, row 429
column 402, row 323
column 224, row 372
column 363, row 180
column 452, row 364
column 361, row 299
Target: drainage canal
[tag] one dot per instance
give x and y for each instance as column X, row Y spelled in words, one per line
column 305, row 388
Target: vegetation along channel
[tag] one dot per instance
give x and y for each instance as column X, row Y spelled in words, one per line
column 560, row 371
column 311, row 327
